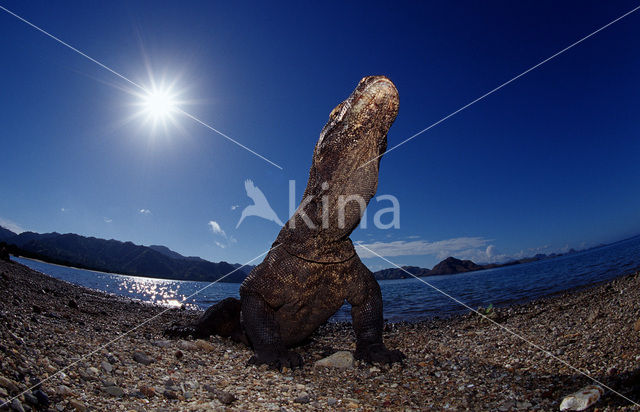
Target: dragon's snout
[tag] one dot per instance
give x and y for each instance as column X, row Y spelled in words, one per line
column 378, row 90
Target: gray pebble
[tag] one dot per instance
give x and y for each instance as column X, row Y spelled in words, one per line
column 142, row 358
column 43, row 399
column 106, row 366
column 225, row 397
column 16, row 406
column 114, row 391
column 30, row 398
column 302, row 399
column 169, row 394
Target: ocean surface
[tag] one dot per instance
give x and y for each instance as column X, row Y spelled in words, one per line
column 406, row 299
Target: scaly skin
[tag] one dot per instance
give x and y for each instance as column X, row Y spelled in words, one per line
column 313, row 267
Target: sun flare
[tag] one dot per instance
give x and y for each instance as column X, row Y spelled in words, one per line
column 159, row 104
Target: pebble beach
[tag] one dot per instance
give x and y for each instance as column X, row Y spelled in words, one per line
column 67, row 348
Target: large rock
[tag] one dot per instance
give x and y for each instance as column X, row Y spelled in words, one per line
column 204, row 345
column 582, row 399
column 341, row 359
column 187, row 345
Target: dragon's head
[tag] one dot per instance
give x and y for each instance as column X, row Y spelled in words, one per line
column 357, row 128
column 344, row 173
column 347, row 156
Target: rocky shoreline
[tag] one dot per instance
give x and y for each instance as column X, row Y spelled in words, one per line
column 460, row 363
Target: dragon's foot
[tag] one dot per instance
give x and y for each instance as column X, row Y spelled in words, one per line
column 276, row 359
column 377, row 352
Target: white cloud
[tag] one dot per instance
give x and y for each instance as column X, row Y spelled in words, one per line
column 215, row 228
column 459, row 247
column 476, row 249
column 144, row 211
column 12, row 226
column 220, row 245
column 493, row 255
column 234, row 207
column 62, row 209
column 107, row 220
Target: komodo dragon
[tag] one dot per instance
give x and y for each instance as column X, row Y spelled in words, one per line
column 312, row 267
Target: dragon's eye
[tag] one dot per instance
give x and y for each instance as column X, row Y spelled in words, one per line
column 335, row 111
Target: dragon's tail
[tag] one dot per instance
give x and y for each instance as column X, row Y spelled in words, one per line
column 221, row 319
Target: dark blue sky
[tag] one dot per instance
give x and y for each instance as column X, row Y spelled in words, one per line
column 546, row 163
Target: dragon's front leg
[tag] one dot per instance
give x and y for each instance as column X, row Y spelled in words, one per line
column 263, row 331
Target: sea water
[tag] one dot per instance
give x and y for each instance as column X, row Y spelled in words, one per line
column 404, row 299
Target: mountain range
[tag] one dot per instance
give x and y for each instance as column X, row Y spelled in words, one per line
column 118, row 257
column 161, row 262
column 452, row 266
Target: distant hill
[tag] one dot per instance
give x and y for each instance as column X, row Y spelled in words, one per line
column 5, row 234
column 451, row 265
column 395, row 273
column 167, row 252
column 173, row 254
column 118, row 257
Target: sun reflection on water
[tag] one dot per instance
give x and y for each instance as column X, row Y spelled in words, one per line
column 157, row 291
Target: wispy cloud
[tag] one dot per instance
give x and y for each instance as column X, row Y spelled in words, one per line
column 12, row 226
column 491, row 251
column 215, row 228
column 477, row 249
column 144, row 211
column 108, row 220
column 441, row 249
column 63, row 209
column 223, row 241
column 234, row 207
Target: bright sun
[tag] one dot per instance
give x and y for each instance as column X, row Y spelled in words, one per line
column 159, row 105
